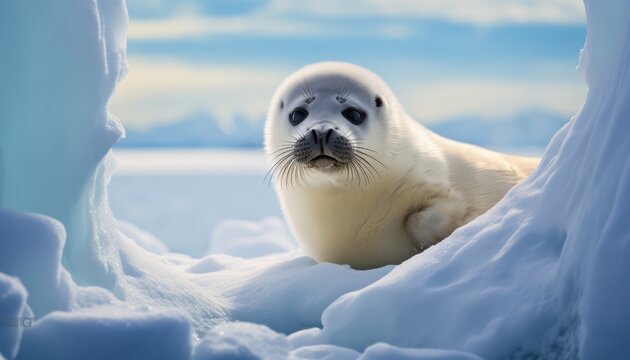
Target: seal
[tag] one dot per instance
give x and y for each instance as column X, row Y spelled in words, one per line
column 362, row 183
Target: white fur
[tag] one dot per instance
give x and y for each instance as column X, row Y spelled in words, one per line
column 426, row 185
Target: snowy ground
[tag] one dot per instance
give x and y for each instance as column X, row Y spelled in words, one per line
column 541, row 275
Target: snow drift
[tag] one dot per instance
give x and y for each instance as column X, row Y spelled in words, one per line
column 540, row 275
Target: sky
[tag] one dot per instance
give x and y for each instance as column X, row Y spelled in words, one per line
column 444, row 59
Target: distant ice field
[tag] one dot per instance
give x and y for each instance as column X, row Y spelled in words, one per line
column 182, row 195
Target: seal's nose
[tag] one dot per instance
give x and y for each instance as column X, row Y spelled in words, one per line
column 327, row 142
column 321, row 137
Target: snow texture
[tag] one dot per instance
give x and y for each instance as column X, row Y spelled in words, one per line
column 541, row 275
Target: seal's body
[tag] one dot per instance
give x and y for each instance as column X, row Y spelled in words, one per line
column 362, row 183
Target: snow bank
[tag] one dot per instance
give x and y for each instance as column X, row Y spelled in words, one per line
column 286, row 292
column 544, row 273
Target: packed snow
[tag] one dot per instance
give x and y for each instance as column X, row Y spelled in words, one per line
column 541, row 275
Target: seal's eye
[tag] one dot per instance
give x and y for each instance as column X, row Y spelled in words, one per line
column 297, row 116
column 355, row 116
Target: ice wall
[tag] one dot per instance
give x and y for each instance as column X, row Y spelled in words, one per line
column 60, row 63
column 544, row 273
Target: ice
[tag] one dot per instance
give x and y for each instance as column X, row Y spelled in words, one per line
column 14, row 313
column 60, row 63
column 109, row 333
column 541, row 275
column 30, row 248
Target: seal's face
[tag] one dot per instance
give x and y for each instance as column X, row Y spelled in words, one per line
column 326, row 127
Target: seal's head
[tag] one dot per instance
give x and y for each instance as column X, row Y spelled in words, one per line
column 330, row 124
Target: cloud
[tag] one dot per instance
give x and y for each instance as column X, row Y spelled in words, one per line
column 195, row 26
column 481, row 12
column 158, row 90
column 324, row 17
column 187, row 26
column 490, row 98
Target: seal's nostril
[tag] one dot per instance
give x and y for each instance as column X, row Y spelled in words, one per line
column 315, row 136
column 328, row 134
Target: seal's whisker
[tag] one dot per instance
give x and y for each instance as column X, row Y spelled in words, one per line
column 281, row 149
column 365, row 172
column 282, row 176
column 352, row 168
column 277, row 154
column 276, row 166
column 371, row 157
column 310, row 92
column 372, row 169
column 366, row 149
column 302, row 181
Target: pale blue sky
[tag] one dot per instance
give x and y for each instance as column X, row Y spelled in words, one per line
column 443, row 58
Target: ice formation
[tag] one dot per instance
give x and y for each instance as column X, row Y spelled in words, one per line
column 543, row 274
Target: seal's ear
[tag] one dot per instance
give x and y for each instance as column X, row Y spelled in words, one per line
column 281, row 104
column 378, row 101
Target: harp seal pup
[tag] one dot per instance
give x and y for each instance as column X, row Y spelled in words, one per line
column 362, row 183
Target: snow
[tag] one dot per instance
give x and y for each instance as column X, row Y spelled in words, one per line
column 109, row 333
column 381, row 351
column 142, row 238
column 541, row 275
column 27, row 240
column 323, row 352
column 249, row 239
column 13, row 314
column 242, row 341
